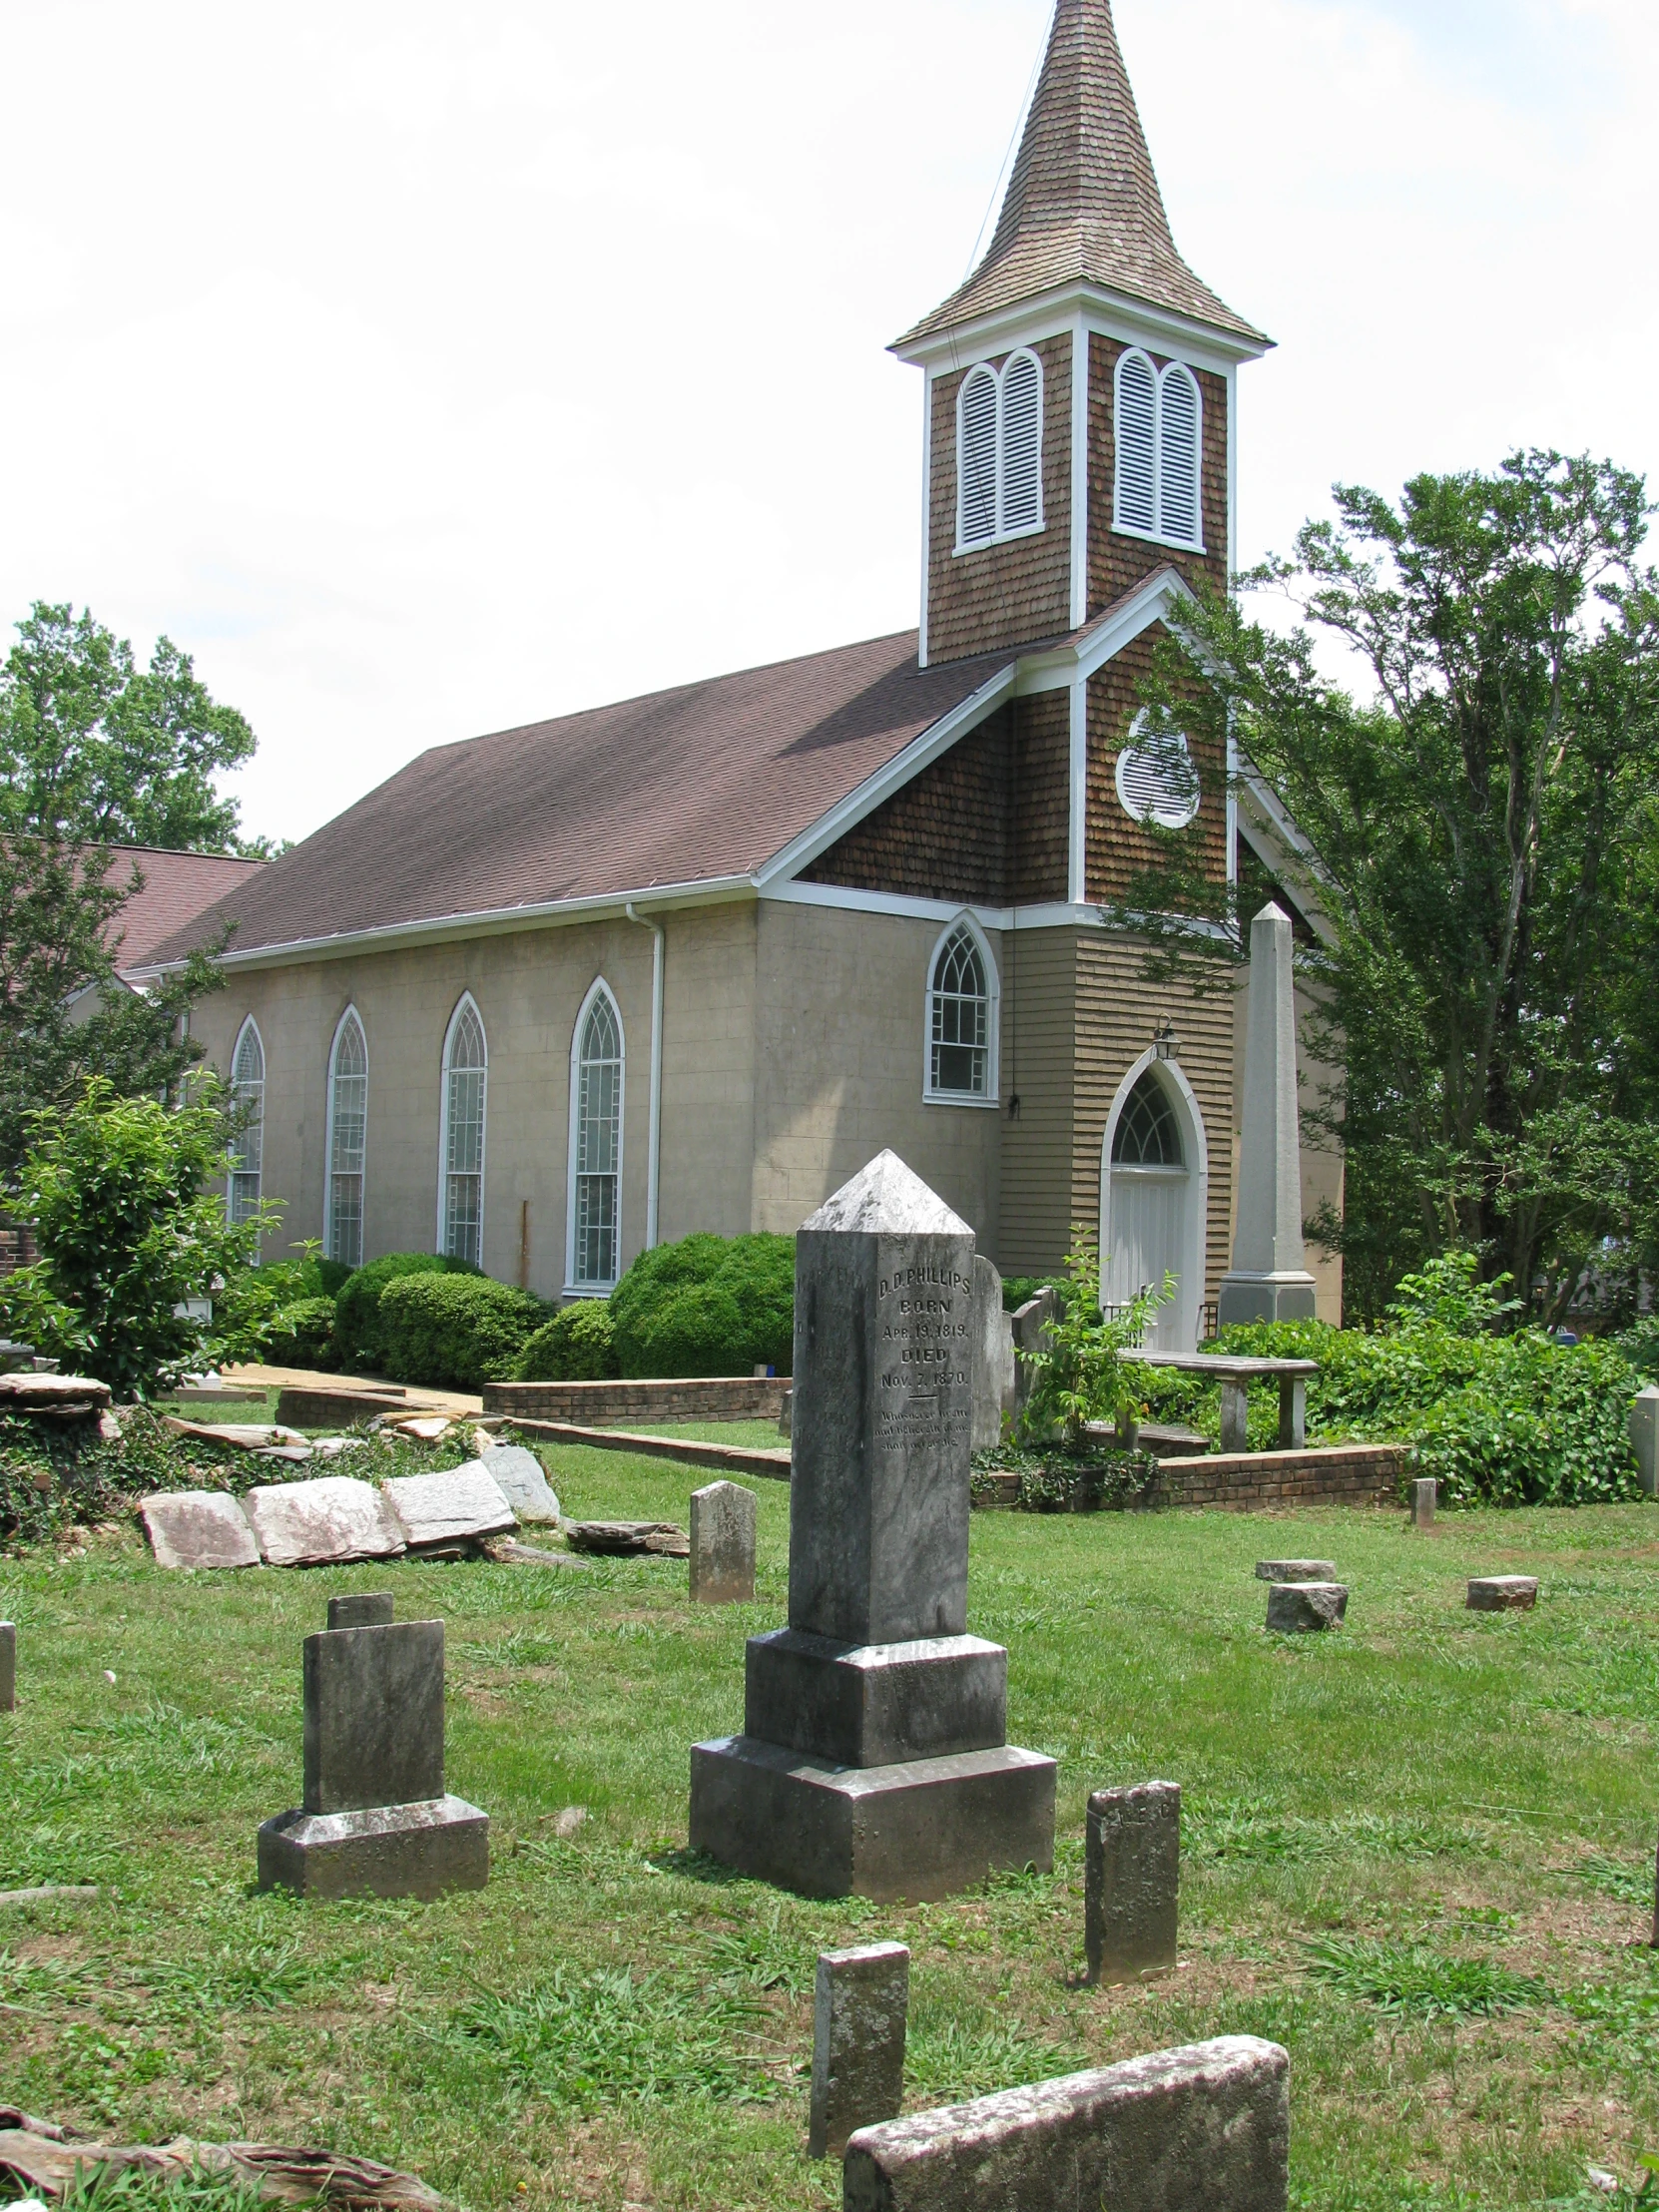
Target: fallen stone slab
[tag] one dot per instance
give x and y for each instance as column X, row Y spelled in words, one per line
column 1296, row 1570
column 521, row 1479
column 458, row 1505
column 1187, row 2130
column 619, row 1539
column 198, row 1529
column 1296, row 1608
column 245, row 1435
column 330, row 1448
column 532, row 1555
column 1502, row 1593
column 50, row 2159
column 324, row 1524
column 425, row 1428
column 27, row 1392
column 50, row 1893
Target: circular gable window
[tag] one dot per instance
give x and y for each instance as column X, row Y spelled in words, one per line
column 1156, row 778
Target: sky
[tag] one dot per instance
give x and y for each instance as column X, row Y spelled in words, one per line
column 427, row 369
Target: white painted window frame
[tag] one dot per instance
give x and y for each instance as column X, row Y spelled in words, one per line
column 999, row 534
column 465, row 1000
column 1158, row 535
column 598, row 987
column 1195, row 1141
column 351, row 1014
column 248, row 1025
column 965, row 919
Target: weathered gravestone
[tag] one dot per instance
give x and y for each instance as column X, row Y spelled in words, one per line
column 1196, row 2129
column 723, row 1520
column 450, row 1509
column 1030, row 1333
column 1296, row 1570
column 1425, row 1492
column 322, row 1523
column 993, row 1355
column 1502, row 1593
column 861, row 2007
column 1131, row 1880
column 362, row 1610
column 875, row 1758
column 198, row 1528
column 8, row 1667
column 1296, row 1608
column 522, row 1481
column 1644, row 1435
column 377, row 1820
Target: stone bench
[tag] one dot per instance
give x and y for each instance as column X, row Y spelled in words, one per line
column 1235, row 1374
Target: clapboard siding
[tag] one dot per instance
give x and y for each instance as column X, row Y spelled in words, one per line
column 1038, row 990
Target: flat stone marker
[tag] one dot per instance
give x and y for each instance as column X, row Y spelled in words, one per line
column 875, row 1758
column 375, row 1818
column 1424, row 1494
column 1296, row 1570
column 622, row 1539
column 1502, row 1593
column 1196, row 2129
column 723, row 1520
column 457, row 1506
column 1296, row 1609
column 1644, row 1436
column 8, row 1667
column 322, row 1523
column 859, row 2012
column 362, row 1610
column 198, row 1528
column 1132, row 1875
column 520, row 1477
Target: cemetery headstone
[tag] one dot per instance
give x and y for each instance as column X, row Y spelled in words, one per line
column 875, row 1758
column 1269, row 1279
column 452, row 1506
column 1299, row 1608
column 861, row 2004
column 786, row 1410
column 1424, row 1496
column 362, row 1610
column 1502, row 1593
column 1644, row 1436
column 993, row 1355
column 1131, row 1880
column 1187, row 2130
column 322, row 1523
column 8, row 1667
column 198, row 1528
column 722, row 1518
column 1296, row 1570
column 375, row 1818
column 1030, row 1331
column 522, row 1481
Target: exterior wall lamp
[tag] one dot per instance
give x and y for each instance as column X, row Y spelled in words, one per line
column 1165, row 1042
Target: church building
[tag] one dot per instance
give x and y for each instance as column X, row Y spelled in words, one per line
column 553, row 995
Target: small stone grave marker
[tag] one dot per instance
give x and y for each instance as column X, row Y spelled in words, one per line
column 1296, row 1570
column 8, row 1667
column 1424, row 1494
column 859, row 2013
column 1644, row 1435
column 456, row 1506
column 362, row 1610
column 1131, row 1880
column 722, row 1519
column 1502, row 1593
column 198, row 1528
column 324, row 1524
column 1299, row 1608
column 1188, row 2131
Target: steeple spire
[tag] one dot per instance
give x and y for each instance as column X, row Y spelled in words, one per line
column 1083, row 204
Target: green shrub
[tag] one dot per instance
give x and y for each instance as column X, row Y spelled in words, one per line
column 577, row 1346
column 358, row 1342
column 708, row 1305
column 1640, row 1346
column 455, row 1332
column 332, row 1275
column 1019, row 1290
column 308, row 1339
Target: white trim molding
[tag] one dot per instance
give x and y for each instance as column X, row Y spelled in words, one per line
column 1080, row 347
column 594, row 1286
column 963, row 920
column 1195, row 1222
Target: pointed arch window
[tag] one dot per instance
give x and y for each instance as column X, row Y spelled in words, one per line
column 462, row 1143
column 999, row 452
column 1148, row 1133
column 961, row 1020
column 248, row 1141
column 1158, row 421
column 347, row 1141
column 595, row 1210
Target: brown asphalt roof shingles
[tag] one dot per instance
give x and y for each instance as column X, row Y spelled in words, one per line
column 177, row 889
column 1083, row 204
column 707, row 781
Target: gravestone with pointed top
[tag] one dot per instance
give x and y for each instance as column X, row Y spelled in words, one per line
column 874, row 1759
column 1268, row 1280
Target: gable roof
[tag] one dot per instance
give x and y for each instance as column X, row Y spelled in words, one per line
column 1083, row 204
column 178, row 889
column 693, row 786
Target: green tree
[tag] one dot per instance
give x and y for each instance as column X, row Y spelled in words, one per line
column 98, row 750
column 1483, row 807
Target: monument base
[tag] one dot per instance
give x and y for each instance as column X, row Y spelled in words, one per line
column 926, row 1829
column 876, row 1705
column 386, row 1850
column 1249, row 1297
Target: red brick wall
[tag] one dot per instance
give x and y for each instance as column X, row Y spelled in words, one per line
column 1244, row 1482
column 687, row 1397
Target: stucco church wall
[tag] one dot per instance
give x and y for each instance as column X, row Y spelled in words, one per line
column 840, row 1002
column 707, row 1117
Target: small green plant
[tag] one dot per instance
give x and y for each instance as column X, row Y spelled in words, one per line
column 947, row 2061
column 1414, row 1978
column 1080, row 1377
column 108, row 2188
column 577, row 1346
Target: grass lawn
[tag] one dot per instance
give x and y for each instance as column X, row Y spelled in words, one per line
column 1419, row 1852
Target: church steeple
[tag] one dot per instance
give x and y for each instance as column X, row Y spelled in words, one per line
column 1083, row 205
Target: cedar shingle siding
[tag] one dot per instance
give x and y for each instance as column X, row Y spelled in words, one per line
column 946, row 834
column 1117, row 563
column 1118, row 848
column 1002, row 594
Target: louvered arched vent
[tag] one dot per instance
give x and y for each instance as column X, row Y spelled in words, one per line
column 999, row 452
column 1159, row 431
column 1136, row 504
column 976, row 458
column 1156, row 778
column 1178, row 418
column 1022, row 446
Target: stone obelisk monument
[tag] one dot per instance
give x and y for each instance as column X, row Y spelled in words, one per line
column 874, row 1758
column 1268, row 1280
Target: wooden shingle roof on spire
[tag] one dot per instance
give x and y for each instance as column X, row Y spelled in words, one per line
column 1083, row 204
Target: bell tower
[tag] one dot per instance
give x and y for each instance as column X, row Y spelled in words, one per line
column 1078, row 423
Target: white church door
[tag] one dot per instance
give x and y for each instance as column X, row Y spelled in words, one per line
column 1152, row 1219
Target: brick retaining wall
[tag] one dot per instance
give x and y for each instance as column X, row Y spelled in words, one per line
column 1239, row 1482
column 685, row 1398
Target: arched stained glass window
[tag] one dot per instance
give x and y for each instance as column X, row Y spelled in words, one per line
column 959, row 1020
column 248, row 1141
column 1148, row 1135
column 465, row 1077
column 347, row 1135
column 596, row 1150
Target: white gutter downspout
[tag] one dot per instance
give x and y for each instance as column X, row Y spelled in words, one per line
column 653, row 1159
